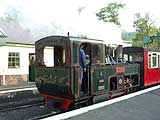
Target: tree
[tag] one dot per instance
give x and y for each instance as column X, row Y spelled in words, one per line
column 127, row 37
column 110, row 13
column 144, row 27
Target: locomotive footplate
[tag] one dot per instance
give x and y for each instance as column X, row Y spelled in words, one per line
column 118, row 93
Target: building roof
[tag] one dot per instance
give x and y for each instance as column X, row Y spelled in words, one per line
column 2, row 33
column 16, row 33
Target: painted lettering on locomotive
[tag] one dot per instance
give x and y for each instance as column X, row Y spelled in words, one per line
column 108, row 74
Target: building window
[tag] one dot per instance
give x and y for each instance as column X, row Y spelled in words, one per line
column 13, row 60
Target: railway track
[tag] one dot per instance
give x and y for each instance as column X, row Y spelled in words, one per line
column 32, row 111
column 20, row 105
column 23, row 104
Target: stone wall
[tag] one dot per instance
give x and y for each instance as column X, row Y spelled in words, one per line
column 16, row 79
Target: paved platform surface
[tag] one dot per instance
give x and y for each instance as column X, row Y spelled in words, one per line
column 142, row 107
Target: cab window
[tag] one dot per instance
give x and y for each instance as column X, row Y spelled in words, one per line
column 54, row 56
column 95, row 54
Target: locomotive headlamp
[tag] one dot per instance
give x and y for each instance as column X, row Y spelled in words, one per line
column 120, row 81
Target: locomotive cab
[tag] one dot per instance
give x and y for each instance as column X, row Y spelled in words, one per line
column 53, row 68
column 57, row 69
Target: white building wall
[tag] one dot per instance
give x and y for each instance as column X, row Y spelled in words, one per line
column 24, row 59
column 3, row 60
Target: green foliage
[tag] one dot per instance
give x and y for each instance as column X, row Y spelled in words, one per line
column 110, row 13
column 128, row 36
column 144, row 27
column 138, row 41
column 154, row 44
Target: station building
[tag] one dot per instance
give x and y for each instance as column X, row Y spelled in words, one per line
column 16, row 54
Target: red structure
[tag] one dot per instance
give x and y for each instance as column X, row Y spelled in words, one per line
column 149, row 60
column 151, row 67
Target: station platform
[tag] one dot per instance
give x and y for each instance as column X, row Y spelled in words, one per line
column 13, row 87
column 142, row 105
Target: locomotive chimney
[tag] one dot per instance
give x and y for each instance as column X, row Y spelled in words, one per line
column 109, row 50
column 68, row 34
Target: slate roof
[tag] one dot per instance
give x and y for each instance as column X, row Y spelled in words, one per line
column 15, row 33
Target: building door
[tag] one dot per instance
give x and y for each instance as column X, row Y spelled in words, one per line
column 31, row 67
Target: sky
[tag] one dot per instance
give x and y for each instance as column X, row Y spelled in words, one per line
column 57, row 17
